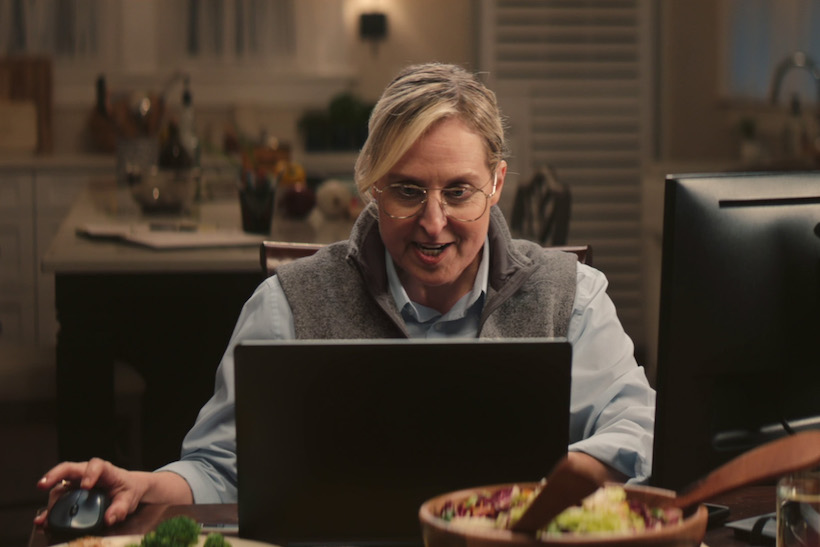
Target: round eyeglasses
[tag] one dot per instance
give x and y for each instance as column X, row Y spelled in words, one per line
column 463, row 202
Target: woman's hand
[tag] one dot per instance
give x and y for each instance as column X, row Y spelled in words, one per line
column 126, row 489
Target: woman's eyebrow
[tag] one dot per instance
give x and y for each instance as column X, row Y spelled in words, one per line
column 401, row 177
column 466, row 178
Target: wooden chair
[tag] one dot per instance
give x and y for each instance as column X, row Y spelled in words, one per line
column 273, row 253
column 541, row 209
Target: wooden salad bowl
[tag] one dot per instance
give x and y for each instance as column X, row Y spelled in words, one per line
column 440, row 533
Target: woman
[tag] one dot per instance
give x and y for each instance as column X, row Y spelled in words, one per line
column 429, row 257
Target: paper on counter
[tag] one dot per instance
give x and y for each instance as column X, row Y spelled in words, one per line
column 165, row 235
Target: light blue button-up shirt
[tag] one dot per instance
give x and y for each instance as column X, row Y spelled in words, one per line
column 462, row 319
column 612, row 406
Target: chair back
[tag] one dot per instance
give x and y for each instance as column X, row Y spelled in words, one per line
column 273, row 253
column 541, row 209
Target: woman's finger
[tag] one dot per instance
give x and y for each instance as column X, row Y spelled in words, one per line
column 69, row 471
column 93, row 470
column 121, row 506
column 40, row 517
column 58, row 490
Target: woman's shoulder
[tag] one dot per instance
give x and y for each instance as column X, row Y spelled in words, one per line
column 319, row 259
column 590, row 282
column 539, row 253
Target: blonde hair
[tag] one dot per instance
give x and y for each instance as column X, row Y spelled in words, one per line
column 419, row 97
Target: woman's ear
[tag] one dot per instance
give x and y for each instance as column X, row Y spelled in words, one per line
column 500, row 174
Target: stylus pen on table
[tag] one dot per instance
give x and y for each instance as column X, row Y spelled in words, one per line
column 221, row 527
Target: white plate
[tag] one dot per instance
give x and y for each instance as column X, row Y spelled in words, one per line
column 123, row 541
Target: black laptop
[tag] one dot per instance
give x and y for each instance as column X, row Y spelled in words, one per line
column 339, row 442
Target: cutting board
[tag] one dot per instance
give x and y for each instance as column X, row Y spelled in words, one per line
column 18, row 126
column 29, row 79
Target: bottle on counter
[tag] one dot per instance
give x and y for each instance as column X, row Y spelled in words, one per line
column 795, row 134
column 187, row 127
column 172, row 154
column 102, row 96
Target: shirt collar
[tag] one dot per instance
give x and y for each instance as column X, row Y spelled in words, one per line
column 422, row 313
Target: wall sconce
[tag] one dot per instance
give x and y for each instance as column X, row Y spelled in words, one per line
column 373, row 26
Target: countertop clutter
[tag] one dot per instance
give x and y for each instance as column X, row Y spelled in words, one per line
column 25, row 105
column 103, row 213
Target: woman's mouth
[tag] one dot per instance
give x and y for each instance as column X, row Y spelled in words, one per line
column 431, row 250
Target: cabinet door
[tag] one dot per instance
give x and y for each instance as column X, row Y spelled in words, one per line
column 16, row 230
column 17, row 259
column 55, row 192
column 17, row 317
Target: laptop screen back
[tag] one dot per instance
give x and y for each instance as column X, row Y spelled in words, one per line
column 341, row 441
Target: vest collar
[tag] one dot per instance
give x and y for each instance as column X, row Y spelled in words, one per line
column 367, row 251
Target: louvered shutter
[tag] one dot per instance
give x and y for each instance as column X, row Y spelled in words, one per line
column 572, row 77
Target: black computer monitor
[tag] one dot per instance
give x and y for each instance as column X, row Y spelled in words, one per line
column 739, row 331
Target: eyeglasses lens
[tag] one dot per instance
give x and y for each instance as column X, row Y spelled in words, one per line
column 465, row 203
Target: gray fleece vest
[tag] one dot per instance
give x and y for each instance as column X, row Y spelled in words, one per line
column 342, row 291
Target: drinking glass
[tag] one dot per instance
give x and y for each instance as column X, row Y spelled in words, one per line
column 798, row 509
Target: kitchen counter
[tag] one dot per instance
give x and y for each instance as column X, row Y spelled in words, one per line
column 105, row 204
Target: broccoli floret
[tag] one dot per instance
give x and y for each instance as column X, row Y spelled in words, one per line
column 175, row 532
column 216, row 540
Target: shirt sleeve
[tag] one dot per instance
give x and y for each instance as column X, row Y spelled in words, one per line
column 208, row 460
column 612, row 405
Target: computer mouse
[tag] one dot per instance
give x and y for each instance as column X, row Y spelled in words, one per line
column 78, row 512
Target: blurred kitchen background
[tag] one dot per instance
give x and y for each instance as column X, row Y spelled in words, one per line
column 605, row 96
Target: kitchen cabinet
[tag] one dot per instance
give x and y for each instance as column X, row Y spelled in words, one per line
column 35, row 195
column 17, row 280
column 55, row 191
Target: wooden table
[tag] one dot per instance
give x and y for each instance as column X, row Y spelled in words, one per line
column 743, row 503
column 747, row 502
column 167, row 313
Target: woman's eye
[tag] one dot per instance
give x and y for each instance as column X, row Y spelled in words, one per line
column 458, row 193
column 408, row 191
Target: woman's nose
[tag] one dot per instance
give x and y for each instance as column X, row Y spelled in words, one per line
column 433, row 217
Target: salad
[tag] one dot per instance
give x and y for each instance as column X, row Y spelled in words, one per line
column 606, row 510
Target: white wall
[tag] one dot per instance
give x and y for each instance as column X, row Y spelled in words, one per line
column 418, row 31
